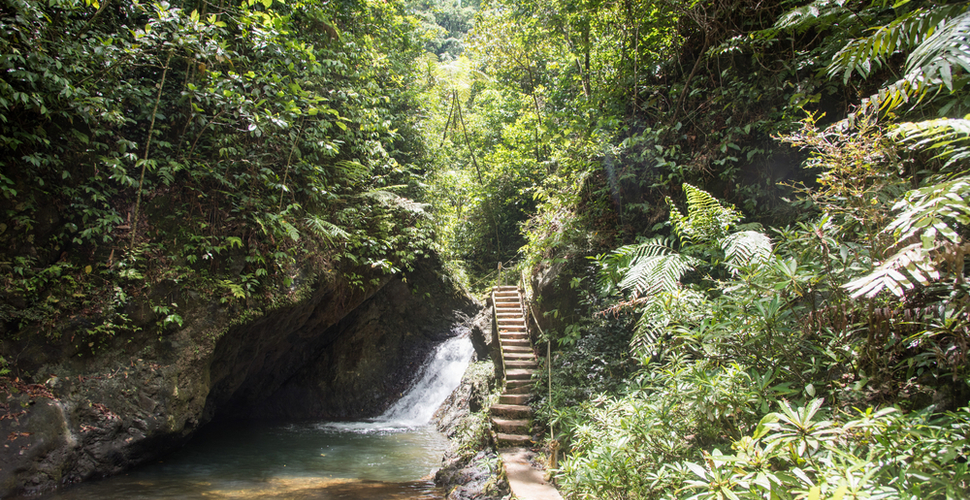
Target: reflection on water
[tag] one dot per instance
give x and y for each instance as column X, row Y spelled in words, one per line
column 293, row 461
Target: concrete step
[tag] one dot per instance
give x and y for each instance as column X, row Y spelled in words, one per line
column 518, row 374
column 518, row 389
column 518, row 348
column 512, row 363
column 517, row 383
column 512, row 426
column 512, row 412
column 513, row 440
column 519, row 356
column 514, row 399
column 515, row 342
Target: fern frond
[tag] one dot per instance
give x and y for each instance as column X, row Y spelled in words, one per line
column 647, row 335
column 613, row 266
column 392, row 199
column 818, row 14
column 329, row 231
column 650, row 248
column 933, row 212
column 707, row 220
column 938, row 66
column 943, row 51
column 652, row 275
column 663, row 314
column 351, row 169
column 932, row 216
column 867, row 55
column 746, row 249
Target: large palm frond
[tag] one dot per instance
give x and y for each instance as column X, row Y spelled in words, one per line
column 937, row 68
column 948, row 137
column 863, row 56
column 928, row 226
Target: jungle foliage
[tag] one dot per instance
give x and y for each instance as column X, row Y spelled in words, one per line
column 758, row 212
column 199, row 145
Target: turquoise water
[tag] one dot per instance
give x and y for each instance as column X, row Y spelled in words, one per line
column 363, row 460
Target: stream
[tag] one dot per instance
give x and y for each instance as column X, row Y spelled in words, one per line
column 393, row 456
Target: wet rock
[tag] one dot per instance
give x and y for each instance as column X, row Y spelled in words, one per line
column 478, row 477
column 470, row 469
column 457, row 414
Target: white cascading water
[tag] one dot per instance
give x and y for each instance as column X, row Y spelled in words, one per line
column 436, row 380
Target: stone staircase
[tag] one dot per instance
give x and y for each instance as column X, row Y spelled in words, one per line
column 512, row 416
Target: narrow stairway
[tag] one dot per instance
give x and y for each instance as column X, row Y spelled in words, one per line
column 512, row 415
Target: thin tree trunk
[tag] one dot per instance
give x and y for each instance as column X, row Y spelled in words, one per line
column 148, row 145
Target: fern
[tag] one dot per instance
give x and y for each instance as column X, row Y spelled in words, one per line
column 938, row 65
column 660, row 273
column 931, row 212
column 614, row 265
column 394, row 200
column 899, row 273
column 818, row 14
column 706, row 221
column 746, row 249
column 661, row 317
column 944, row 50
column 329, row 231
column 651, row 272
column 351, row 169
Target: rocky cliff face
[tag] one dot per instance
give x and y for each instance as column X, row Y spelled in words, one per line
column 337, row 352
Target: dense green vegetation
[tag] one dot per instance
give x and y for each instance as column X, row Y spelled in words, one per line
column 754, row 214
column 226, row 149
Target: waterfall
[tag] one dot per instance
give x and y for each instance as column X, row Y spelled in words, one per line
column 435, row 382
